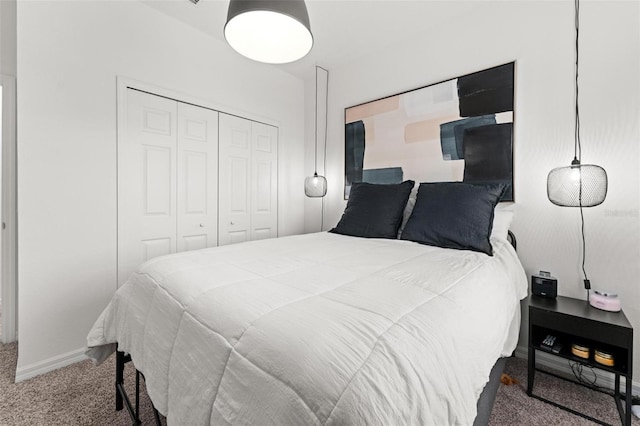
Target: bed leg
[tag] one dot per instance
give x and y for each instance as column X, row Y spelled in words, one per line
column 122, row 400
column 137, row 394
column 156, row 414
column 157, row 417
column 119, row 379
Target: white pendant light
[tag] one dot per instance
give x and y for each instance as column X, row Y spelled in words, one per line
column 270, row 31
column 316, row 185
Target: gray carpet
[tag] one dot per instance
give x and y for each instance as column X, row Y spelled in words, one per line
column 514, row 407
column 83, row 394
column 80, row 394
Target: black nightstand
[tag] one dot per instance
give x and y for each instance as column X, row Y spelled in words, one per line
column 575, row 321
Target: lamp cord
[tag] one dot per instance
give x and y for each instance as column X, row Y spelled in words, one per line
column 578, row 151
column 315, row 135
column 578, row 145
column 326, row 113
column 587, row 283
column 324, row 157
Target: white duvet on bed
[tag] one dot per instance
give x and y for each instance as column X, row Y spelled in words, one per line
column 317, row 329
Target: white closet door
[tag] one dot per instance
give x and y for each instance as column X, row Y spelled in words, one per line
column 197, row 178
column 146, row 181
column 234, row 180
column 264, row 181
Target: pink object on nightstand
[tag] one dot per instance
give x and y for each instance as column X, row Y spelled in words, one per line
column 605, row 301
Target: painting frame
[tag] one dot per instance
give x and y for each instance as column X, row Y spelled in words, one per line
column 459, row 129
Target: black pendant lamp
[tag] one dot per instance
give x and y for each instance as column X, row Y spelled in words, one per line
column 270, row 31
column 577, row 185
column 316, row 185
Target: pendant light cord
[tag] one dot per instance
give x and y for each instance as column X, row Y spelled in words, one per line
column 578, row 152
column 326, row 113
column 587, row 283
column 315, row 136
column 577, row 145
column 326, row 120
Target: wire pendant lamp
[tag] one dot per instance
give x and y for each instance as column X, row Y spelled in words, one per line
column 316, row 186
column 577, row 185
column 269, row 31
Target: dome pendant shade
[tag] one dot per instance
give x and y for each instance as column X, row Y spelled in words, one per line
column 270, row 31
column 315, row 186
column 578, row 185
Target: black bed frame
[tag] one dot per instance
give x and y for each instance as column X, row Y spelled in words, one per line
column 485, row 402
column 484, row 405
column 122, row 399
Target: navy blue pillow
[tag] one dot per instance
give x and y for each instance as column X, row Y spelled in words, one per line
column 454, row 215
column 374, row 210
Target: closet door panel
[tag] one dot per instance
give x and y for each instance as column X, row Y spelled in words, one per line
column 146, row 181
column 234, row 180
column 197, row 178
column 264, row 182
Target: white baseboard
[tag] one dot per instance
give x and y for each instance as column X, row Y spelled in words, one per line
column 605, row 379
column 47, row 365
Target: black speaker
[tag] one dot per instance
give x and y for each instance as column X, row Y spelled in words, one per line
column 544, row 286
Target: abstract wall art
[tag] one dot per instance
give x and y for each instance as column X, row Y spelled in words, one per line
column 456, row 130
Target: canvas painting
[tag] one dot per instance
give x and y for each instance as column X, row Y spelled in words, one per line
column 457, row 130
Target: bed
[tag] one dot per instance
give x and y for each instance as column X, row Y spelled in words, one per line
column 321, row 328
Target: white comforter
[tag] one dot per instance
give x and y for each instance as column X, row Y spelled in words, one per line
column 317, row 329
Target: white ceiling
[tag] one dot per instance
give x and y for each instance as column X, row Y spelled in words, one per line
column 342, row 29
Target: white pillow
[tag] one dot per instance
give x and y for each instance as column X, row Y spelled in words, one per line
column 502, row 218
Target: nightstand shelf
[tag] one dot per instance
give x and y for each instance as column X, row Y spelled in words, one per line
column 575, row 321
column 619, row 354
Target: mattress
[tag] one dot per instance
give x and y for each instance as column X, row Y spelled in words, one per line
column 317, row 329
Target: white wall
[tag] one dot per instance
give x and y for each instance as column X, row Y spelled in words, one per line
column 69, row 54
column 8, row 287
column 540, row 37
column 8, row 37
